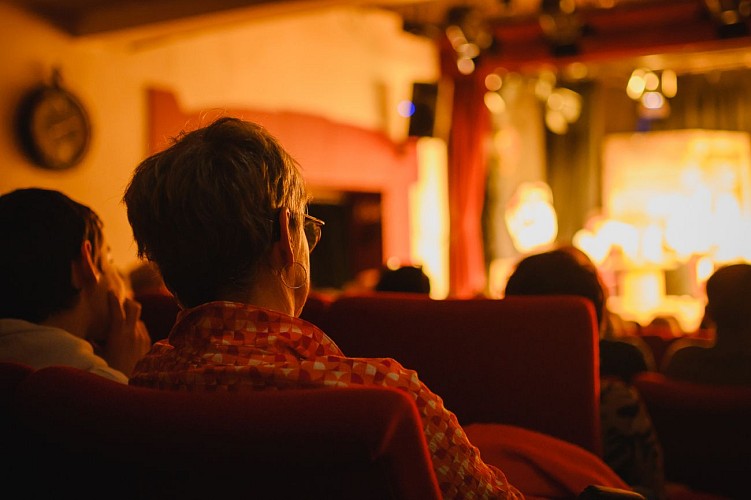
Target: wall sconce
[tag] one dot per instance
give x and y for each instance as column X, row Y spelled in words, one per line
column 730, row 16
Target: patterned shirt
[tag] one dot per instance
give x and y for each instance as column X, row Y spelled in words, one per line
column 231, row 346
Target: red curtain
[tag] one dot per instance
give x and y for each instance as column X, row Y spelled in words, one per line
column 467, row 157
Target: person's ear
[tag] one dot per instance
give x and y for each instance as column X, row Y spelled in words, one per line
column 84, row 270
column 285, row 243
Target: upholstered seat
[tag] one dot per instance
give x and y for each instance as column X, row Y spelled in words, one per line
column 529, row 361
column 705, row 432
column 85, row 436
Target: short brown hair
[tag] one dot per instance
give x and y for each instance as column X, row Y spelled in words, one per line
column 203, row 208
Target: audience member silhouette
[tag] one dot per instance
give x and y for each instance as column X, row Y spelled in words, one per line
column 727, row 358
column 409, row 279
column 145, row 279
column 62, row 301
column 569, row 271
column 630, row 443
column 159, row 308
column 222, row 212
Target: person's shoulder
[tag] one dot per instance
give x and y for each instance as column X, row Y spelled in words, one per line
column 22, row 331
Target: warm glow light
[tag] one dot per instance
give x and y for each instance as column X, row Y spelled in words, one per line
column 594, row 247
column 545, row 84
column 465, row 65
column 636, row 84
column 643, row 292
column 456, row 36
column 429, row 215
column 571, row 104
column 393, row 263
column 651, row 81
column 650, row 245
column 577, row 70
column 498, row 274
column 671, row 199
column 495, row 103
column 556, row 122
column 493, row 82
column 468, row 50
column 669, row 83
column 652, row 100
column 530, row 217
column 704, row 269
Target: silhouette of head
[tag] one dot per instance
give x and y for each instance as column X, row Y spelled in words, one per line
column 404, row 279
column 729, row 297
column 563, row 271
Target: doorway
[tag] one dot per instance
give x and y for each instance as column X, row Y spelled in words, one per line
column 351, row 240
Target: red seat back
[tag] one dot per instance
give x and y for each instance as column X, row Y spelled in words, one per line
column 705, row 431
column 92, row 436
column 316, row 307
column 158, row 312
column 525, row 361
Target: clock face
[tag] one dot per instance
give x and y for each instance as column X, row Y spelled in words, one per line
column 54, row 128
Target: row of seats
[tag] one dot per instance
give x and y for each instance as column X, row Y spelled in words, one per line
column 65, row 432
column 532, row 362
column 705, row 431
column 68, row 432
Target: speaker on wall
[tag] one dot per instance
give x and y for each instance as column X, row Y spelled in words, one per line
column 424, row 100
column 431, row 114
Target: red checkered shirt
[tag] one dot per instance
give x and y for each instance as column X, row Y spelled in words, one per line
column 227, row 345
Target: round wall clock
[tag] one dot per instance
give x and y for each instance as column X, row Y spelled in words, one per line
column 53, row 126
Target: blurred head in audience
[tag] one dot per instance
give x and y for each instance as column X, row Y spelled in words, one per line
column 729, row 301
column 411, row 279
column 222, row 212
column 145, row 279
column 563, row 271
column 54, row 259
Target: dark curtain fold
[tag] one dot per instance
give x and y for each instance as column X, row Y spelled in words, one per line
column 573, row 167
column 713, row 101
column 467, row 167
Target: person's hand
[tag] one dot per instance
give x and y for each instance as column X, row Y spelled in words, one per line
column 128, row 339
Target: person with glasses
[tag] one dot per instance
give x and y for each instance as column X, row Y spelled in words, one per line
column 222, row 213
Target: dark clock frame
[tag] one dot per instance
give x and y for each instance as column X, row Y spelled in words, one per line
column 43, row 109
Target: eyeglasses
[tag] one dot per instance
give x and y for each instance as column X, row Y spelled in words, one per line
column 312, row 227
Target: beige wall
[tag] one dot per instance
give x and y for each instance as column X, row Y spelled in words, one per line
column 345, row 64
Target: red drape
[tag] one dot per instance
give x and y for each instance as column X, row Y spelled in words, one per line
column 467, row 158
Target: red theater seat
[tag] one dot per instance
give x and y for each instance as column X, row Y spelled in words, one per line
column 705, row 432
column 316, row 307
column 85, row 436
column 525, row 361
